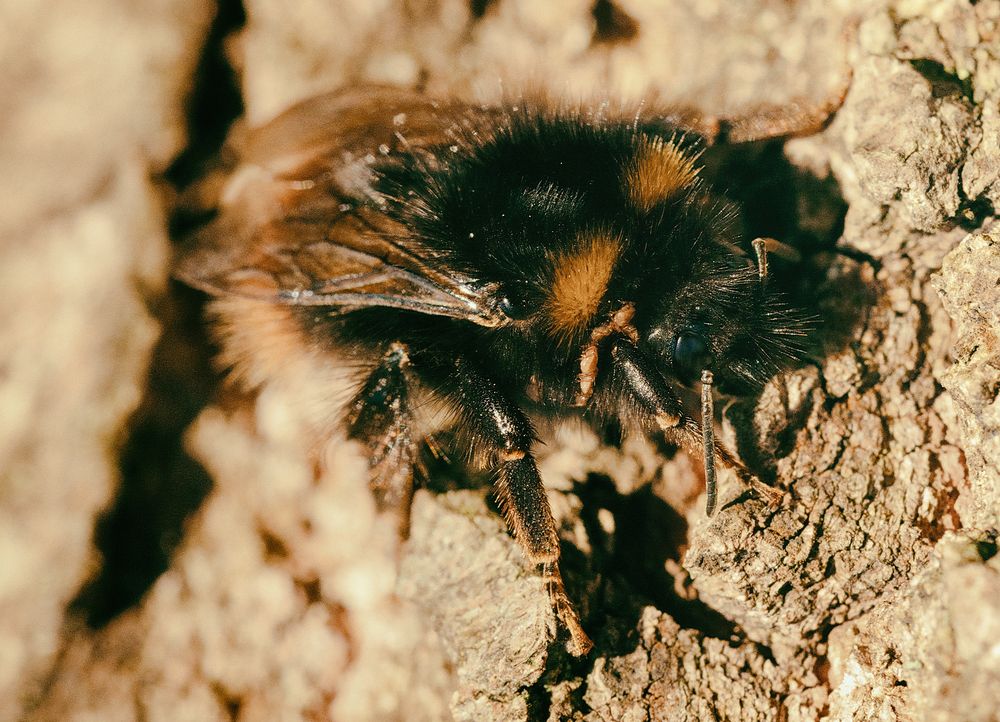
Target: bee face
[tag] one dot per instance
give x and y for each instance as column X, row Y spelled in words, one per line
column 726, row 318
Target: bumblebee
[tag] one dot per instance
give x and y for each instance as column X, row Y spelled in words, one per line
column 509, row 263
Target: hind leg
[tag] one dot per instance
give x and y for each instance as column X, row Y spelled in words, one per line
column 381, row 418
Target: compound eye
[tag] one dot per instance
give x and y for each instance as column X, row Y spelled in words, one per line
column 512, row 308
column 691, row 357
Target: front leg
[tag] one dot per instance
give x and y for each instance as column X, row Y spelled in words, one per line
column 503, row 436
column 652, row 394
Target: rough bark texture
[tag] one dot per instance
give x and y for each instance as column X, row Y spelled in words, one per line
column 872, row 592
column 83, row 243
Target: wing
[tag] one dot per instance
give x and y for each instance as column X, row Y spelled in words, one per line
column 298, row 223
column 763, row 121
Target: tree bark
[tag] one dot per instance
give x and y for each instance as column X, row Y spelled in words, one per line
column 872, row 591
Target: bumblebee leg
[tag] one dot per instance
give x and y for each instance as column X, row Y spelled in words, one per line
column 654, row 396
column 380, row 418
column 619, row 322
column 503, row 431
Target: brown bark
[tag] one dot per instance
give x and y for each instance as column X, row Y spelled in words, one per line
column 871, row 592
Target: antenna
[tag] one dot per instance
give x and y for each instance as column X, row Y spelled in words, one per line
column 708, row 439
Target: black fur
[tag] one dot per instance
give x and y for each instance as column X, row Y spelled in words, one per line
column 496, row 208
column 499, row 212
column 500, row 209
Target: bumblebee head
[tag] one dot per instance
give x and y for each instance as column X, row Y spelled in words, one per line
column 727, row 321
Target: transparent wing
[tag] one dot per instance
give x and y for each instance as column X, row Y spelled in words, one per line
column 297, row 222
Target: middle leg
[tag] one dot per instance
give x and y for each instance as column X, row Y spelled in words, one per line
column 503, row 435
